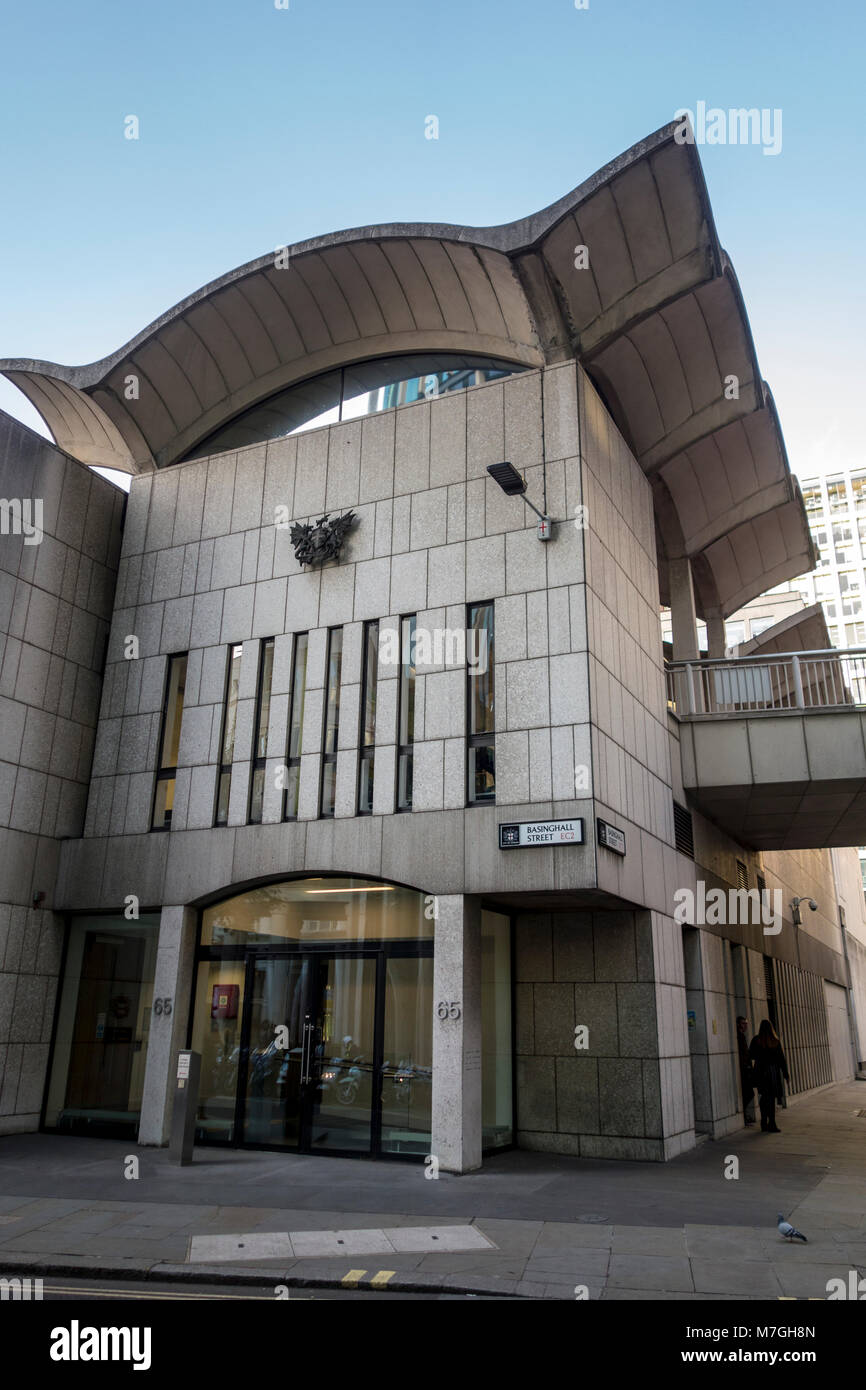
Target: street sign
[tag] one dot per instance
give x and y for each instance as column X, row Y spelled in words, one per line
column 610, row 837
column 540, row 832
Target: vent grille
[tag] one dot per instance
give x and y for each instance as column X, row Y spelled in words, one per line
column 683, row 837
column 742, row 875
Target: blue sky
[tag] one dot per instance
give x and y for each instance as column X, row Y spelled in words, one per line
column 262, row 126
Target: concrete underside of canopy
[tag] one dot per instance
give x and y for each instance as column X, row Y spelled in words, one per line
column 780, row 782
column 625, row 274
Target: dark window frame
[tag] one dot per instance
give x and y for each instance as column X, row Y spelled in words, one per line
column 295, row 761
column 166, row 774
column 258, row 763
column 225, row 769
column 483, row 740
column 367, row 751
column 330, row 758
column 405, row 750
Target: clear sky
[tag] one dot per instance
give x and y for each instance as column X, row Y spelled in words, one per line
column 262, row 126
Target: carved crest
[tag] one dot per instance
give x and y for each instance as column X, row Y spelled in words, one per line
column 317, row 542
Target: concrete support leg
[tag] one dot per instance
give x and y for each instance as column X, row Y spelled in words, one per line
column 716, row 640
column 175, row 961
column 456, row 1141
column 684, row 634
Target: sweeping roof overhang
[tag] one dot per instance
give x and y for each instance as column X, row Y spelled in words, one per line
column 656, row 319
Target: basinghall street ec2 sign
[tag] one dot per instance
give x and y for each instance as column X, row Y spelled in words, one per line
column 520, row 834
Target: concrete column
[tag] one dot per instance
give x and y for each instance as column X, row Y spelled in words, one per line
column 684, row 634
column 175, row 961
column 716, row 640
column 456, row 1138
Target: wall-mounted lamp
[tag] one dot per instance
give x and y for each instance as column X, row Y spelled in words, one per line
column 795, row 909
column 513, row 484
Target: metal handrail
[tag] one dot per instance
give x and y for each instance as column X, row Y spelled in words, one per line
column 776, row 683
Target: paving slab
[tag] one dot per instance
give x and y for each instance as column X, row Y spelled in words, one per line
column 240, row 1248
column 741, row 1278
column 808, row 1280
column 662, row 1272
column 650, row 1240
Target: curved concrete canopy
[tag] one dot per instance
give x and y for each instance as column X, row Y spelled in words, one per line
column 652, row 311
column 803, row 631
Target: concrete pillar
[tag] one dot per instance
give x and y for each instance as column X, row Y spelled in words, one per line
column 456, row 1140
column 716, row 640
column 175, row 962
column 684, row 634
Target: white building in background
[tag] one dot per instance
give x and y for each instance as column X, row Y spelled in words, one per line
column 836, row 507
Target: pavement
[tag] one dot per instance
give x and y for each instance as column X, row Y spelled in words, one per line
column 527, row 1225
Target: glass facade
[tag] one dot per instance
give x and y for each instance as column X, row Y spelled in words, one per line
column 172, row 714
column 365, row 388
column 103, row 1026
column 405, row 751
column 296, row 727
column 260, row 746
column 481, row 759
column 314, row 1018
column 334, row 677
column 227, row 748
column 368, row 718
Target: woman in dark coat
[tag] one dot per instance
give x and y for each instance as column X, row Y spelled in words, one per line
column 770, row 1066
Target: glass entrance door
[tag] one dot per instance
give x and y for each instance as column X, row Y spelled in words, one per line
column 277, row 1025
column 309, row 1043
column 343, row 1061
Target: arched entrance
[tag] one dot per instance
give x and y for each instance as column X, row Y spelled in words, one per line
column 313, row 1016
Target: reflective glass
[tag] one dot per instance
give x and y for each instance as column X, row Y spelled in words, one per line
column 407, row 1064
column 364, row 388
column 317, row 909
column 103, row 1026
column 216, row 1035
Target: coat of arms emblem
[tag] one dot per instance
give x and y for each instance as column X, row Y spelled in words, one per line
column 317, row 542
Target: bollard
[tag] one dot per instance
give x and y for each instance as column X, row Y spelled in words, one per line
column 185, row 1105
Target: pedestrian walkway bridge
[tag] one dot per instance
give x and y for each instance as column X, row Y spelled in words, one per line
column 773, row 748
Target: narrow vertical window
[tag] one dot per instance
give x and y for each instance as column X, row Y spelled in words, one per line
column 368, row 718
column 481, row 751
column 172, row 713
column 406, row 730
column 332, row 722
column 227, row 745
column 260, row 746
column 296, row 726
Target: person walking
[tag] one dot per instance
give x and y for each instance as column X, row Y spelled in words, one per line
column 747, row 1080
column 768, row 1061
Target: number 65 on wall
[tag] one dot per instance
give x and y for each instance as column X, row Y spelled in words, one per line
column 448, row 1008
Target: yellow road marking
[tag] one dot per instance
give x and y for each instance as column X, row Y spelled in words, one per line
column 351, row 1279
column 382, row 1278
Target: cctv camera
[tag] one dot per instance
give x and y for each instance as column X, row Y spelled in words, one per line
column 813, row 905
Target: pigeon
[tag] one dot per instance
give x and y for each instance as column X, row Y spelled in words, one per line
column 788, row 1231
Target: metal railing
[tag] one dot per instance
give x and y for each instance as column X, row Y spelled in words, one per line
column 787, row 683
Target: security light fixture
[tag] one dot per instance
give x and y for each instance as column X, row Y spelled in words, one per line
column 508, row 478
column 513, row 484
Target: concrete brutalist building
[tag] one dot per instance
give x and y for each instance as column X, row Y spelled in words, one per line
column 268, row 807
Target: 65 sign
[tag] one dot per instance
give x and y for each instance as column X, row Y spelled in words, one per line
column 448, row 1008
